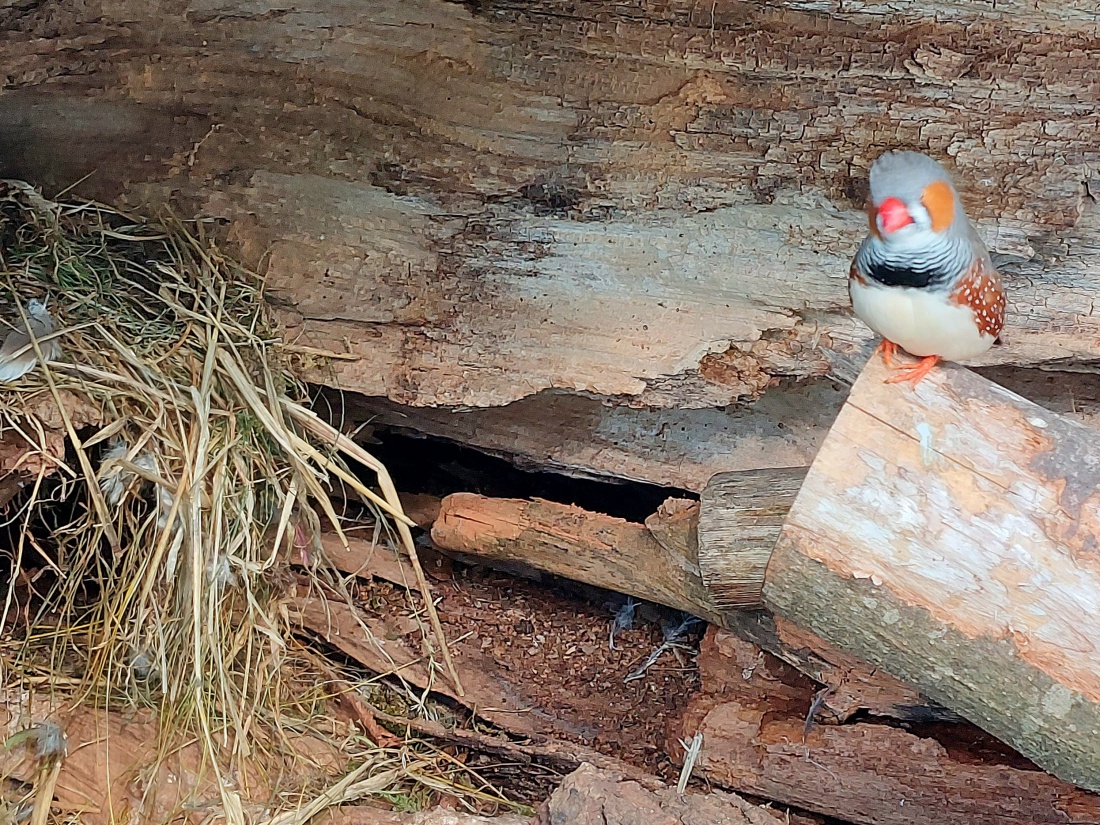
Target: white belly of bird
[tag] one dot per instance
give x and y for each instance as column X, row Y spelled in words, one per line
column 920, row 322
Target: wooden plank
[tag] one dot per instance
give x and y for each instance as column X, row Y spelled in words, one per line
column 949, row 535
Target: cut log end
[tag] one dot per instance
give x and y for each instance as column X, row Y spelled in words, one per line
column 740, row 518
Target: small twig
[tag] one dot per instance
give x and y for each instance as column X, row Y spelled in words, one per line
column 691, row 754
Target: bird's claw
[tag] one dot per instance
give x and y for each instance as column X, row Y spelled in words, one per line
column 914, row 374
column 888, row 349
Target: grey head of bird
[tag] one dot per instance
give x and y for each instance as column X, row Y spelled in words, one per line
column 914, row 202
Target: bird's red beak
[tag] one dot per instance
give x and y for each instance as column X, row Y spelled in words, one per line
column 892, row 216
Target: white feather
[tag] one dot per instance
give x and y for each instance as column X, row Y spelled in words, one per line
column 17, row 355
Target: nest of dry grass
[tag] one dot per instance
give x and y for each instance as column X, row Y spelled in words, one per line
column 167, row 476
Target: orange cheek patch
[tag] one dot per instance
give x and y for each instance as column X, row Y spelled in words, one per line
column 940, row 203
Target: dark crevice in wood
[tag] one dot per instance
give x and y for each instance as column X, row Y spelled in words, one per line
column 425, row 464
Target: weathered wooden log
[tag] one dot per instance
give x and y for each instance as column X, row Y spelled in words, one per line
column 949, row 535
column 580, row 545
column 674, row 188
column 585, row 436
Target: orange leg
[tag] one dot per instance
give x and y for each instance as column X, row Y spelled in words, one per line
column 914, row 374
column 888, row 349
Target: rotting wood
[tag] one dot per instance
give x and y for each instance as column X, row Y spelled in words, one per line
column 853, row 685
column 582, row 436
column 752, row 714
column 578, row 544
column 627, row 557
column 680, row 448
column 949, row 536
column 740, row 516
column 675, row 188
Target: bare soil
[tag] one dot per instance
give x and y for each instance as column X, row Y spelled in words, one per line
column 550, row 641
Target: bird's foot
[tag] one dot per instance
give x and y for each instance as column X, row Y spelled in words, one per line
column 914, row 374
column 888, row 349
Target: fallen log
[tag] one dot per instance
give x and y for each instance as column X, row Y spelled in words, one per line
column 949, row 535
column 740, row 517
column 580, row 545
column 753, row 719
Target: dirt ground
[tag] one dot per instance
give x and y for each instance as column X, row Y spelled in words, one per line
column 549, row 641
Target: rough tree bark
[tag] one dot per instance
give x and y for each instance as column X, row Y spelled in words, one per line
column 649, row 202
column 752, row 713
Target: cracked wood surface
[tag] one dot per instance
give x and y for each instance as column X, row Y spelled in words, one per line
column 752, row 713
column 949, row 536
column 653, row 202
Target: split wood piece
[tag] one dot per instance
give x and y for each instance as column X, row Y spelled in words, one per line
column 740, row 517
column 853, row 685
column 577, row 544
column 586, row 437
column 752, row 713
column 949, row 535
column 657, row 562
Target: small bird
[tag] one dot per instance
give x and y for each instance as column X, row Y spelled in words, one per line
column 922, row 278
column 17, row 355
